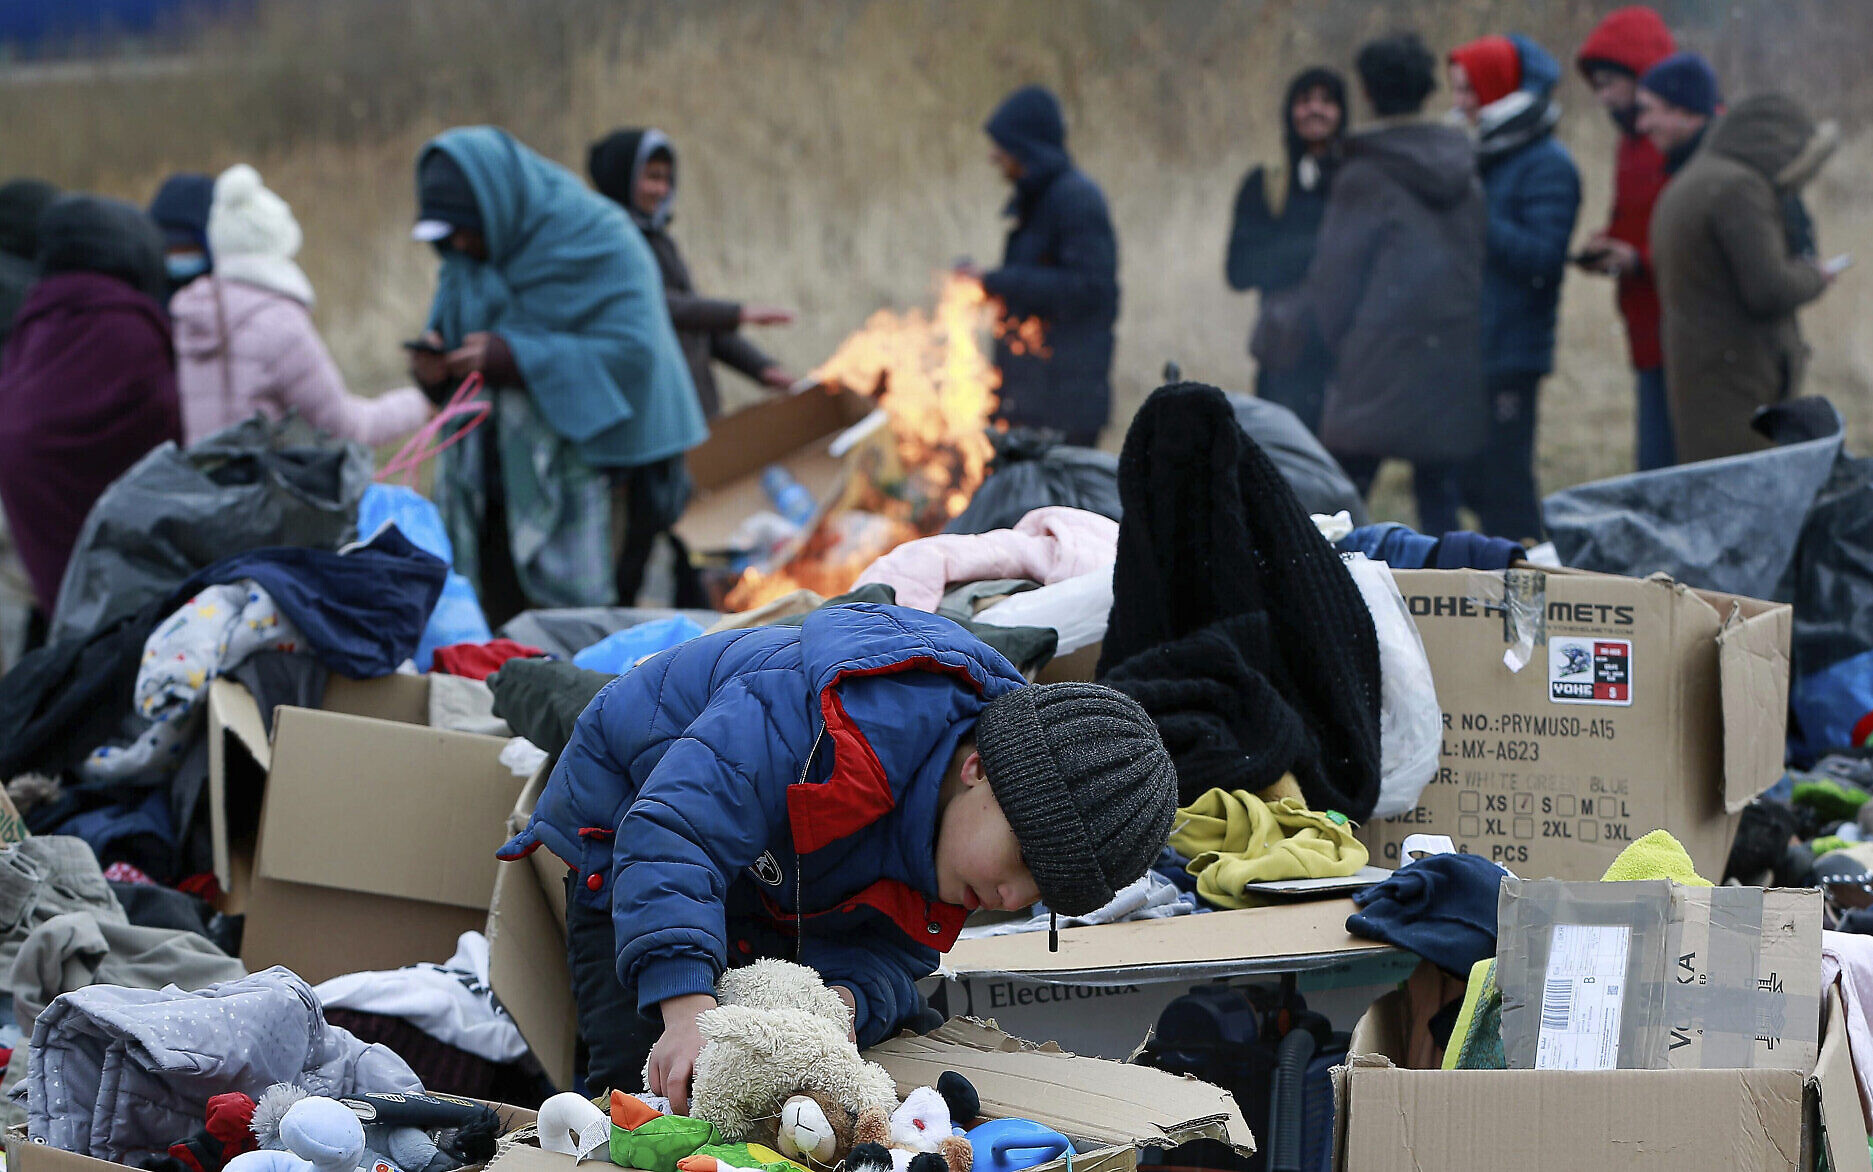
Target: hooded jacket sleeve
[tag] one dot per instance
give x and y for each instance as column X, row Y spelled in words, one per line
column 734, row 348
column 1746, row 221
column 705, row 314
column 1528, row 234
column 882, row 973
column 1262, row 255
column 706, row 811
column 1083, row 276
column 309, row 382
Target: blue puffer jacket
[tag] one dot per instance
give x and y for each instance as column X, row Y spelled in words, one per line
column 1533, row 192
column 774, row 792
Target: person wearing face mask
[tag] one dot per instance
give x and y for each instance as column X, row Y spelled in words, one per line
column 1612, row 59
column 180, row 209
column 636, row 169
column 1271, row 242
column 1503, row 88
column 549, row 292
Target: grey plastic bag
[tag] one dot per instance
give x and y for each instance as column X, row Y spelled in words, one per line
column 1317, row 479
column 178, row 511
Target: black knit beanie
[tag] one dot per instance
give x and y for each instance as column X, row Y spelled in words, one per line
column 1233, row 621
column 1086, row 784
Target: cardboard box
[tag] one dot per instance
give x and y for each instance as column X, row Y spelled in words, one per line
column 1654, row 975
column 1393, row 1120
column 1640, row 704
column 793, row 431
column 23, row 1155
column 1107, row 1109
column 1101, row 994
column 375, row 833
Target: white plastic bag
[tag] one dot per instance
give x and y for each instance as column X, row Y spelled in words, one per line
column 1411, row 725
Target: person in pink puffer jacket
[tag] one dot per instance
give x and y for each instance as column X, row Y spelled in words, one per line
column 244, row 336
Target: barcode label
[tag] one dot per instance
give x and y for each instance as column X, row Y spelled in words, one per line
column 1582, row 994
column 1557, row 1005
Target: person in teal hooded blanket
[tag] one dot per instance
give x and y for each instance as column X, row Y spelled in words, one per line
column 550, row 292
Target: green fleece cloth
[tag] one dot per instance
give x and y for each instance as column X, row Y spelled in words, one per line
column 1829, row 798
column 1655, row 856
column 1234, row 839
column 1476, row 1039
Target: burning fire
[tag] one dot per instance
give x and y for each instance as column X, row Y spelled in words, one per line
column 932, row 378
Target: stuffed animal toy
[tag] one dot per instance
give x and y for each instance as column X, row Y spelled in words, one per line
column 401, row 1133
column 648, row 1140
column 572, row 1125
column 777, row 1049
column 921, row 1135
column 314, row 1134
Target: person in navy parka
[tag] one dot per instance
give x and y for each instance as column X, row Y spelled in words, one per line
column 841, row 794
column 1504, row 86
column 1060, row 265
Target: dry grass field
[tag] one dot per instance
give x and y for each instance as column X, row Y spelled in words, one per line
column 832, row 158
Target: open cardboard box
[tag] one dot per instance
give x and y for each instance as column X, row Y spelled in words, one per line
column 1387, row 1119
column 1642, row 704
column 23, row 1155
column 794, row 431
column 1109, row 1110
column 375, row 833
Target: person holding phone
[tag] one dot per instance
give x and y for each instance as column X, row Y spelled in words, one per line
column 549, row 293
column 1621, row 48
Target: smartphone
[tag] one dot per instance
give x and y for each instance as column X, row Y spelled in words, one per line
column 1834, row 266
column 423, row 346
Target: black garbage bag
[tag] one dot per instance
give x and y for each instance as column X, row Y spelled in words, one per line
column 1032, row 471
column 1310, row 470
column 1831, row 650
column 178, row 511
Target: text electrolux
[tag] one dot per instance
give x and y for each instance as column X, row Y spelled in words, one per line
column 1004, row 995
column 1602, row 614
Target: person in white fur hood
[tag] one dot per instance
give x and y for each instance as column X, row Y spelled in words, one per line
column 245, row 340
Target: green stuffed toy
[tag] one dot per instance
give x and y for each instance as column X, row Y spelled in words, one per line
column 647, row 1140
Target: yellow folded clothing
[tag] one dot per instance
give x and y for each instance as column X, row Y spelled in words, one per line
column 1234, row 839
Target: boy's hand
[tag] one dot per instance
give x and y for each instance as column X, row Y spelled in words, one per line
column 673, row 1058
column 851, row 1006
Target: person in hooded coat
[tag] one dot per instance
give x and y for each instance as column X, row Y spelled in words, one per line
column 1395, row 287
column 180, row 209
column 1621, row 48
column 1060, row 265
column 1728, row 278
column 88, row 381
column 245, row 341
column 551, row 294
column 1277, row 217
column 21, row 203
column 1504, row 87
column 636, row 169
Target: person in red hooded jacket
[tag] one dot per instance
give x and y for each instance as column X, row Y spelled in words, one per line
column 1615, row 55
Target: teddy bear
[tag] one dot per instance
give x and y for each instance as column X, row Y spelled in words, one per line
column 778, row 1067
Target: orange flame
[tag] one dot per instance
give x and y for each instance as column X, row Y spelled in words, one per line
column 936, row 385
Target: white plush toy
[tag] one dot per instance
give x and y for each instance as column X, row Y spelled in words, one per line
column 320, row 1134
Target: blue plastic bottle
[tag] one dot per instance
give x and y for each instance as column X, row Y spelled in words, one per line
column 790, row 498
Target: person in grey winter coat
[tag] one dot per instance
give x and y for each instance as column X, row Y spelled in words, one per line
column 1395, row 288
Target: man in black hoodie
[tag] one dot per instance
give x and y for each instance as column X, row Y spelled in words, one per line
column 1060, row 265
column 1271, row 238
column 1395, row 289
column 635, row 168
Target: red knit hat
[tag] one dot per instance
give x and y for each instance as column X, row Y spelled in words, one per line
column 1493, row 66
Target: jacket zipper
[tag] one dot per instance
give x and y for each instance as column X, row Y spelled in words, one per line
column 799, row 893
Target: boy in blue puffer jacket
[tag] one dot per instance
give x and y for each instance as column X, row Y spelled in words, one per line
column 841, row 794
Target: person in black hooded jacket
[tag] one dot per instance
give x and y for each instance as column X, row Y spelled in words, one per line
column 1271, row 240
column 635, row 168
column 1060, row 265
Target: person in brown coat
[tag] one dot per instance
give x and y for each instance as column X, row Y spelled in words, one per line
column 1728, row 281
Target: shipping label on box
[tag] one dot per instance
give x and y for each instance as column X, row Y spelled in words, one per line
column 1583, row 710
